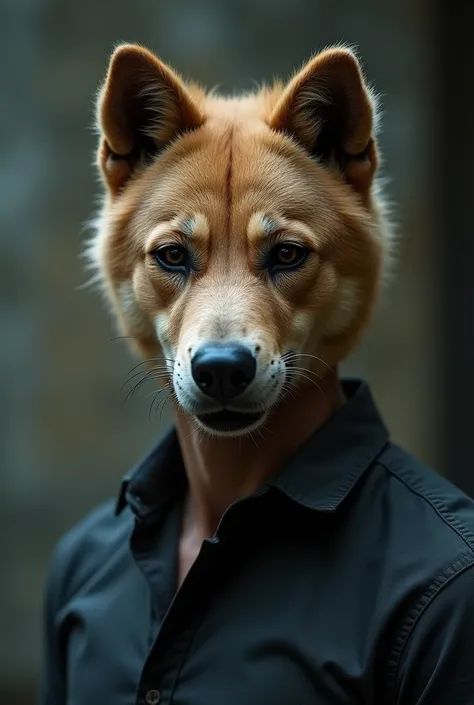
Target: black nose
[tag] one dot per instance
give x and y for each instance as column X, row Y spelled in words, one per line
column 223, row 371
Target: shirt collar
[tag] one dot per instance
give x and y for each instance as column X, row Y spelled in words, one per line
column 320, row 475
column 325, row 468
column 156, row 480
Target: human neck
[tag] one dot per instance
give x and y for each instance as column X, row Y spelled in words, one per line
column 220, row 470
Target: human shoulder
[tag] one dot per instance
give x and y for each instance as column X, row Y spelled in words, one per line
column 425, row 525
column 424, row 497
column 432, row 661
column 85, row 547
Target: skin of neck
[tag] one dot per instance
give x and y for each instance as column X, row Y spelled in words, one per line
column 220, row 470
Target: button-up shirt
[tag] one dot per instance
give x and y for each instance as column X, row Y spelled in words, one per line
column 347, row 578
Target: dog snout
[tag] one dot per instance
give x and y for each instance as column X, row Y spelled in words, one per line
column 223, row 371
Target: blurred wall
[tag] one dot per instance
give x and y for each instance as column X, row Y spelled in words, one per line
column 67, row 436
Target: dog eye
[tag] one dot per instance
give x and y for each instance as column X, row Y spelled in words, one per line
column 173, row 258
column 286, row 256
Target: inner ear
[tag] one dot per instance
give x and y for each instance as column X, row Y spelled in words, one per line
column 142, row 107
column 327, row 108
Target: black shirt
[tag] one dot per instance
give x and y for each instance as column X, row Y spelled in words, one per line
column 347, row 578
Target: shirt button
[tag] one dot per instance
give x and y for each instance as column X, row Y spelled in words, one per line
column 152, row 697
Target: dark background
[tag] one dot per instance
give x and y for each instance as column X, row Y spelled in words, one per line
column 66, row 435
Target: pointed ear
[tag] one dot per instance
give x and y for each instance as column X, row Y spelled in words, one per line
column 143, row 105
column 327, row 108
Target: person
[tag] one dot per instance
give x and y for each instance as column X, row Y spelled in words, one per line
column 275, row 546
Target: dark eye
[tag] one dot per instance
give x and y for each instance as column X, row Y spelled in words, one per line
column 173, row 258
column 286, row 256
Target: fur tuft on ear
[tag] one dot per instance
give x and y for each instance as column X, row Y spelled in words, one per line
column 329, row 110
column 142, row 106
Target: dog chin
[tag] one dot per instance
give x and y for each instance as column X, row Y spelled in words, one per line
column 230, row 423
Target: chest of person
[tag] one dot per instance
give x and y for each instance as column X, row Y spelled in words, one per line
column 247, row 626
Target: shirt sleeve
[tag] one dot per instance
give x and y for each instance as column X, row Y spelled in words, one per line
column 437, row 664
column 52, row 686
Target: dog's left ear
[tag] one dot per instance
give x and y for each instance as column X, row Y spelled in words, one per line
column 327, row 108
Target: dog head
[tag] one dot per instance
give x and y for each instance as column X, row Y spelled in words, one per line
column 241, row 238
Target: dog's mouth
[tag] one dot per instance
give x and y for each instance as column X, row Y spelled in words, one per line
column 227, row 421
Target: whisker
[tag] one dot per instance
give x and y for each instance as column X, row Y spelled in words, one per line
column 309, row 379
column 299, row 373
column 260, row 430
column 251, row 436
column 196, row 429
column 291, row 374
column 147, row 377
column 150, row 410
column 121, row 337
column 161, row 371
column 163, row 403
column 151, row 359
column 294, row 356
column 289, row 388
column 157, row 401
column 304, row 369
column 155, row 392
column 295, row 371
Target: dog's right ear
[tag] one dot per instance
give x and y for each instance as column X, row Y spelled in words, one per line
column 143, row 105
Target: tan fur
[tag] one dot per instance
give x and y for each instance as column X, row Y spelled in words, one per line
column 228, row 166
